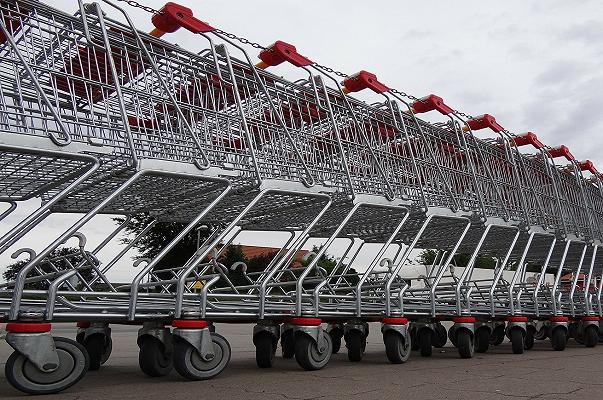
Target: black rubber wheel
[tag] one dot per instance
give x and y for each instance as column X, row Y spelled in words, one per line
column 559, row 338
column 498, row 335
column 528, row 341
column 414, row 340
column 464, row 341
column 189, row 364
column 153, row 359
column 24, row 376
column 425, row 335
column 482, row 340
column 591, row 336
column 336, row 335
column 265, row 348
column 397, row 348
column 452, row 336
column 99, row 349
column 288, row 344
column 309, row 355
column 516, row 335
column 354, row 342
column 542, row 333
column 440, row 336
column 572, row 331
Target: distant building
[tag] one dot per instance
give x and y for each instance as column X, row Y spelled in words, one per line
column 260, row 251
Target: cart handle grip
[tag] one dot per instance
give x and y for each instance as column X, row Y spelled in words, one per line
column 561, row 151
column 430, row 103
column 528, row 138
column 588, row 165
column 483, row 122
column 363, row 80
column 279, row 52
column 174, row 16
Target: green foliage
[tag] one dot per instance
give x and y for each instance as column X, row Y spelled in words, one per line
column 62, row 259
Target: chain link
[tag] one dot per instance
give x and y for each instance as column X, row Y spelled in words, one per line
column 332, row 71
column 241, row 39
column 462, row 114
column 136, row 4
column 403, row 94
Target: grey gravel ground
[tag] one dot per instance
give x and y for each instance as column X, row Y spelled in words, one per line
column 498, row 374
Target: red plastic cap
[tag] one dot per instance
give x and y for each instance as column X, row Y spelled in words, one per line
column 528, row 139
column 464, row 320
column 430, row 103
column 363, row 80
column 590, row 318
column 559, row 318
column 517, row 318
column 588, row 166
column 174, row 16
column 483, row 122
column 561, row 151
column 279, row 52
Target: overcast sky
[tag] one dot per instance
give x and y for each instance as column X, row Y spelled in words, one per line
column 534, row 65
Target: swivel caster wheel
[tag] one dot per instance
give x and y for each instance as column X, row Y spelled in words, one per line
column 191, row 365
column 310, row 355
column 153, row 357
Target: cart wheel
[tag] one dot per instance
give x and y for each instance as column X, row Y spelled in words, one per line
column 528, row 341
column 308, row 354
column 425, row 341
column 153, row 360
column 452, row 336
column 591, row 336
column 288, row 344
column 572, row 331
column 482, row 340
column 336, row 335
column 558, row 338
column 464, row 341
column 516, row 336
column 497, row 336
column 414, row 341
column 354, row 342
column 26, row 377
column 99, row 348
column 440, row 336
column 397, row 347
column 265, row 348
column 541, row 334
column 189, row 364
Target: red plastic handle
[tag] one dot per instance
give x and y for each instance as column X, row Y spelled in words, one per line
column 528, row 138
column 588, row 166
column 363, row 80
column 561, row 151
column 430, row 103
column 279, row 52
column 483, row 122
column 175, row 16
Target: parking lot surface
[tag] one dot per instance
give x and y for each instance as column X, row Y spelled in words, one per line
column 538, row 374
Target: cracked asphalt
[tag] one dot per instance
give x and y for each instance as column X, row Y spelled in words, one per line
column 538, row 374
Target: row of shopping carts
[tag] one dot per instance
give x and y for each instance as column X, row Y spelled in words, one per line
column 97, row 117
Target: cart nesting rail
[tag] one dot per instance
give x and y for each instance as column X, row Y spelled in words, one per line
column 97, row 117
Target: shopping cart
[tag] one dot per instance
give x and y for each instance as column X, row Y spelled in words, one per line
column 98, row 118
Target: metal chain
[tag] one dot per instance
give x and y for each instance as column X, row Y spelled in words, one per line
column 239, row 39
column 332, row 71
column 136, row 4
column 462, row 114
column 403, row 94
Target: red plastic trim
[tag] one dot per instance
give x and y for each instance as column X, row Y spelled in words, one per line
column 483, row 122
column 83, row 324
column 28, row 327
column 528, row 138
column 561, row 151
column 588, row 166
column 175, row 16
column 394, row 321
column 559, row 318
column 189, row 323
column 279, row 52
column 301, row 321
column 516, row 318
column 590, row 318
column 430, row 103
column 463, row 320
column 364, row 80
